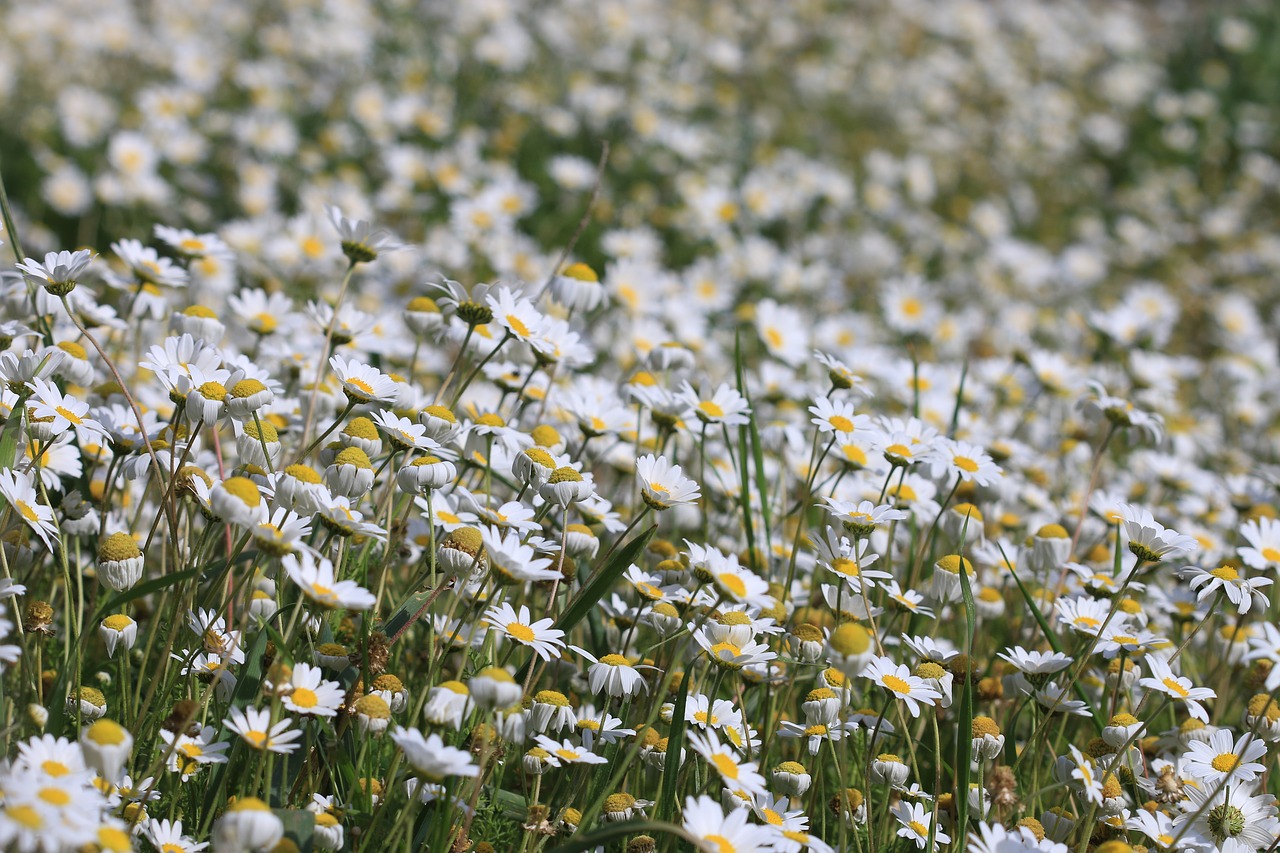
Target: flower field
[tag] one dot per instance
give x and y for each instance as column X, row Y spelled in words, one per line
column 639, row 425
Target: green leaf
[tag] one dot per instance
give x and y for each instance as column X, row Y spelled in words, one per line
column 406, row 611
column 757, row 455
column 675, row 743
column 744, row 488
column 299, row 826
column 618, row 831
column 603, row 580
column 9, row 440
column 512, row 804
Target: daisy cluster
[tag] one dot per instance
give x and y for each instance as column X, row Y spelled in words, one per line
column 638, row 425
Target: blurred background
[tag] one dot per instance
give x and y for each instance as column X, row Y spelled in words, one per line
column 1043, row 147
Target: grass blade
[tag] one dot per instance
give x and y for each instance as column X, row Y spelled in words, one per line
column 675, row 743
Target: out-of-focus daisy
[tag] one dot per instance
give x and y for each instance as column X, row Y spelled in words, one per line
column 723, row 406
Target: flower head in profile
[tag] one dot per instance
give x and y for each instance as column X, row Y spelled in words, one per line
column 1149, row 540
column 315, row 577
column 361, row 242
column 60, row 271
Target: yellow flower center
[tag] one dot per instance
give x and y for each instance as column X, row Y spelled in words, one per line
column 517, row 325
column 964, row 463
column 725, row 764
column 1175, row 687
column 256, row 739
column 710, row 409
column 919, row 828
column 55, row 797
column 27, row 817
column 1225, row 762
column 733, row 584
column 897, row 685
column 841, row 423
column 304, row 697
column 1226, row 573
column 520, row 632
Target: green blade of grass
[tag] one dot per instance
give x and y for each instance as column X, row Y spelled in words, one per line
column 603, row 580
column 675, row 743
column 964, row 743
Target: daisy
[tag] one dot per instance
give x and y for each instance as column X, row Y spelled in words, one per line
column 840, row 374
column 1177, row 688
column 515, row 559
column 64, row 411
column 403, row 433
column 862, row 517
column 545, row 641
column 60, row 271
column 1230, row 818
column 566, row 752
column 837, row 419
column 725, row 406
column 1263, row 536
column 1084, row 773
column 254, row 727
column 734, row 772
column 146, row 266
column 664, row 485
column 715, row 832
column 898, row 680
column 315, row 577
column 168, row 837
column 186, row 754
column 1054, row 699
column 310, row 694
column 1120, row 639
column 1224, row 760
column 731, row 655
column 517, row 315
column 19, row 492
column 361, row 242
column 362, row 383
column 430, row 758
column 914, row 822
column 612, row 674
column 1242, row 592
column 967, row 461
column 1149, row 540
column 596, row 725
column 908, row 599
column 1084, row 615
